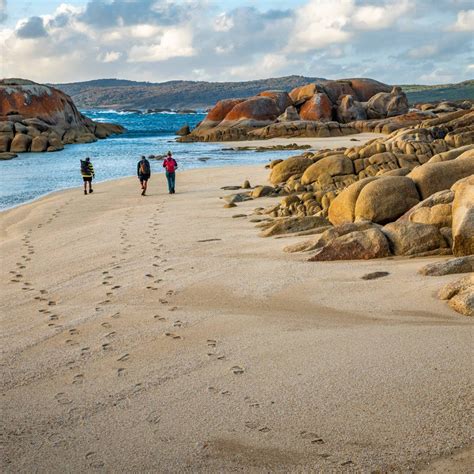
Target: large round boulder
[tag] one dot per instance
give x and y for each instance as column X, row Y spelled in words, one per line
column 5, row 140
column 386, row 199
column 463, row 217
column 20, row 143
column 411, row 238
column 384, row 104
column 296, row 165
column 357, row 245
column 219, row 111
column 350, row 110
column 39, row 144
column 318, row 108
column 333, row 165
column 281, row 98
column 262, row 110
column 366, row 88
column 336, row 89
column 433, row 177
column 300, row 94
column 342, row 208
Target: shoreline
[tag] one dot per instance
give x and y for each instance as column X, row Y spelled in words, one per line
column 161, row 334
column 330, row 141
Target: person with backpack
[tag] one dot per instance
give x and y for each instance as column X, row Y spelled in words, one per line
column 87, row 172
column 170, row 166
column 144, row 173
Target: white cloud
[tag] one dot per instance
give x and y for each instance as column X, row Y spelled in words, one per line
column 321, row 23
column 377, row 17
column 109, row 56
column 464, row 21
column 175, row 42
column 223, row 23
column 408, row 41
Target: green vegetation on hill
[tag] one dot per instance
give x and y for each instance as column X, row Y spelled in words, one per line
column 115, row 93
column 421, row 93
column 123, row 94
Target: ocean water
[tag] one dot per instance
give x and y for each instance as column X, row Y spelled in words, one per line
column 32, row 175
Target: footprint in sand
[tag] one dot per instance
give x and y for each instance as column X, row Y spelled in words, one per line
column 85, row 350
column 163, row 301
column 173, row 335
column 237, row 370
column 116, row 315
column 111, row 335
column 73, row 331
column 94, row 460
column 106, row 325
column 70, row 342
column 51, row 303
column 53, row 317
column 177, row 324
column 312, row 437
column 62, row 399
column 153, row 418
column 121, row 372
column 78, row 379
column 159, row 318
column 57, row 440
column 116, row 287
column 106, row 347
column 123, row 358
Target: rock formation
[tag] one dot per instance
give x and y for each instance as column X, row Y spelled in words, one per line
column 37, row 118
column 314, row 110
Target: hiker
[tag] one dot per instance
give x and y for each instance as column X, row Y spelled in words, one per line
column 170, row 166
column 87, row 171
column 143, row 172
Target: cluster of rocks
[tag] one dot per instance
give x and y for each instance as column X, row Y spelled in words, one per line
column 322, row 109
column 38, row 118
column 410, row 193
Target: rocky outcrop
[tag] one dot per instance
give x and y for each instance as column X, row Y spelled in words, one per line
column 357, row 245
column 463, row 217
column 289, row 167
column 448, row 267
column 385, row 104
column 460, row 295
column 37, row 118
column 433, row 177
column 411, row 238
column 318, row 109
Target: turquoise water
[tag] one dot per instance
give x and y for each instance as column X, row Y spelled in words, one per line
column 32, row 175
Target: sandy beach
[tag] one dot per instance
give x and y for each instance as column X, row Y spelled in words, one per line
column 315, row 142
column 160, row 334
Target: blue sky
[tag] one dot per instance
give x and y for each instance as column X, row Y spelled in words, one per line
column 395, row 41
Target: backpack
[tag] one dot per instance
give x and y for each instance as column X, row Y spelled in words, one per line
column 144, row 168
column 85, row 167
column 170, row 165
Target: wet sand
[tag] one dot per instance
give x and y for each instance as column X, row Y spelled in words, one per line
column 160, row 334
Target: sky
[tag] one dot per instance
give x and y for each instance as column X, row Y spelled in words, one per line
column 394, row 41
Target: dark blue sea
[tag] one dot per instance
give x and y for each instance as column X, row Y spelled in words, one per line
column 32, row 175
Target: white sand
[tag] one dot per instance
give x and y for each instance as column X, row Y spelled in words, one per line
column 316, row 143
column 338, row 374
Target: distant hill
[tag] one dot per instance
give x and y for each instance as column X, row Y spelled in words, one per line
column 420, row 93
column 117, row 93
column 124, row 94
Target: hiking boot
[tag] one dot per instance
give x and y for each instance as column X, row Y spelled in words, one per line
column 91, row 191
column 143, row 193
column 85, row 192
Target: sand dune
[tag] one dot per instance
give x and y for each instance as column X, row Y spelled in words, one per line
column 160, row 334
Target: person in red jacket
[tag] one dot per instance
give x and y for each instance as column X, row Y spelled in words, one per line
column 170, row 165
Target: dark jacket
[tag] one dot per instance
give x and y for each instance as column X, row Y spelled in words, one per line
column 87, row 170
column 143, row 168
